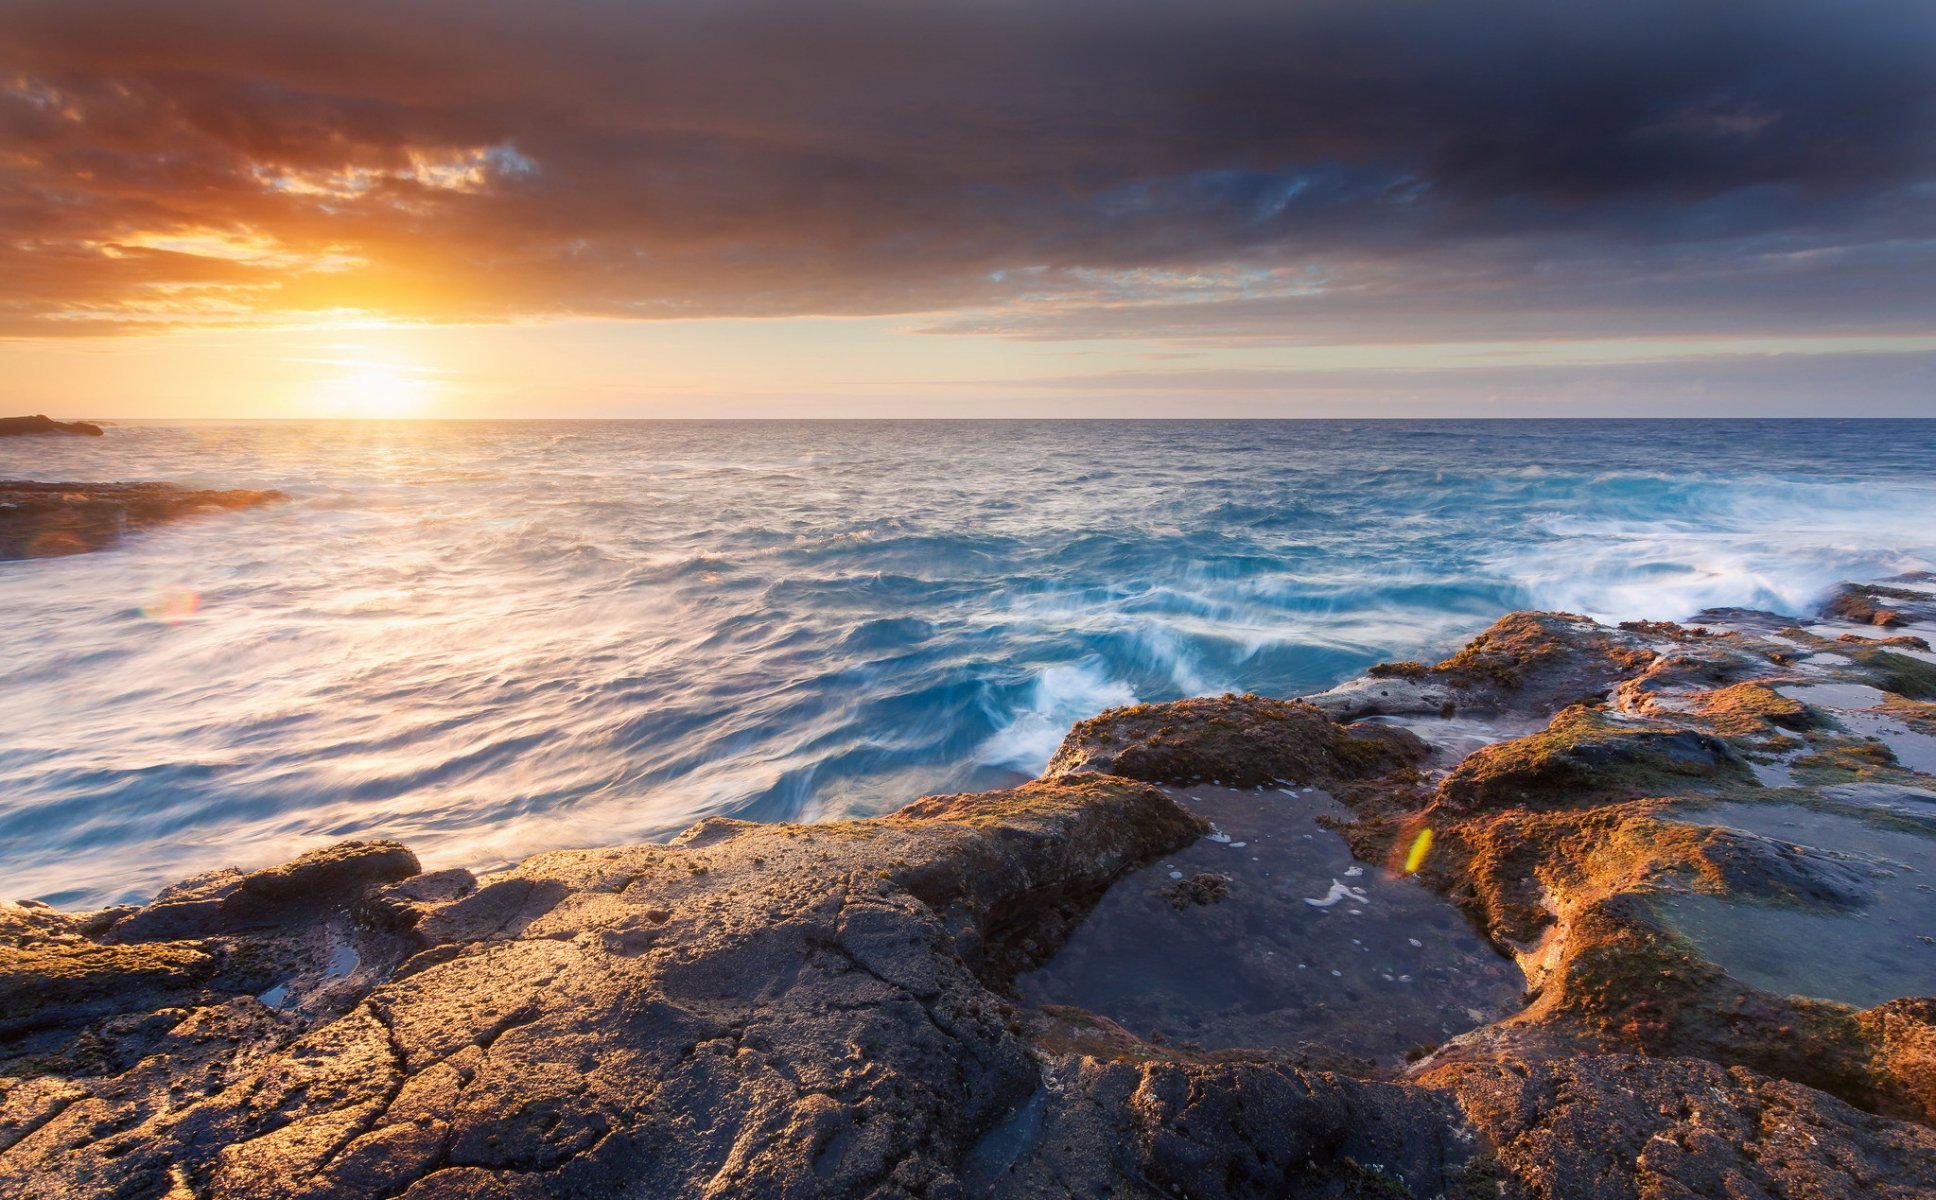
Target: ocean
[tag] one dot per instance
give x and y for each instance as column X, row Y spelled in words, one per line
column 488, row 639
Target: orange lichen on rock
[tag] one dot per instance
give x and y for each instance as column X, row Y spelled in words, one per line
column 1243, row 741
column 1750, row 710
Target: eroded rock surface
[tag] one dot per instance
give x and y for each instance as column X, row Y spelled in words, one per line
column 46, row 520
column 828, row 1010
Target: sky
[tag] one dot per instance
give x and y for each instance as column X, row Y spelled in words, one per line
column 1100, row 208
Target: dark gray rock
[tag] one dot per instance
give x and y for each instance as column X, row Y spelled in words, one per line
column 43, row 424
column 1615, row 1127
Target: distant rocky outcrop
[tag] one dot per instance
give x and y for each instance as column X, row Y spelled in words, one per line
column 25, row 426
column 779, row 1010
column 45, row 520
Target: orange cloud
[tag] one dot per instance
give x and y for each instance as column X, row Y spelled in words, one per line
column 1073, row 168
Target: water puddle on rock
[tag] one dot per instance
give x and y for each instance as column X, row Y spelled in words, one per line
column 1854, row 706
column 1835, row 695
column 1913, row 749
column 1452, row 738
column 1269, row 935
column 1879, row 951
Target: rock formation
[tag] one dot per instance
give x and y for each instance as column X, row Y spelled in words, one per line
column 25, row 426
column 826, row 1010
column 45, row 520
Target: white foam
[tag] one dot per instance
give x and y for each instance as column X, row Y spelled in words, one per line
column 1339, row 892
column 1062, row 695
column 1776, row 544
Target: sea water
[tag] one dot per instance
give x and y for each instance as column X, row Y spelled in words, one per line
column 487, row 639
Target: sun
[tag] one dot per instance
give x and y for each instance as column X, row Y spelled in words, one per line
column 375, row 391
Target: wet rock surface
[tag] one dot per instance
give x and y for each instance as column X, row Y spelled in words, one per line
column 48, row 520
column 848, row 1009
column 1267, row 934
column 1902, row 601
column 43, row 424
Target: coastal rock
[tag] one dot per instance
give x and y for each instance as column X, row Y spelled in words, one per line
column 232, row 902
column 1241, row 741
column 45, row 520
column 1880, row 604
column 826, row 1010
column 41, row 424
column 1230, row 1129
column 1752, row 620
column 1528, row 661
column 788, row 1011
column 1624, row 1127
column 1584, row 753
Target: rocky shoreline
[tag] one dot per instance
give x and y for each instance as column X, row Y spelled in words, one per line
column 50, row 520
column 1697, row 845
column 40, row 423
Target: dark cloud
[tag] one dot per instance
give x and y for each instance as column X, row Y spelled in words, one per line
column 1317, row 171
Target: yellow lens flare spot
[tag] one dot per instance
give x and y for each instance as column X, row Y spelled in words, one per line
column 1421, row 846
column 172, row 606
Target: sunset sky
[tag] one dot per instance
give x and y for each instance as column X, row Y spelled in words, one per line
column 1055, row 207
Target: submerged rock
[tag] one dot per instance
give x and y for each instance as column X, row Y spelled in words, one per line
column 832, row 1010
column 45, row 520
column 40, row 424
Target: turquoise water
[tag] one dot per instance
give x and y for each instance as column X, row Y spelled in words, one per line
column 487, row 639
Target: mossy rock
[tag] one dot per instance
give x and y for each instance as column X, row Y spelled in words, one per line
column 1899, row 673
column 1584, row 755
column 1751, row 710
column 1241, row 741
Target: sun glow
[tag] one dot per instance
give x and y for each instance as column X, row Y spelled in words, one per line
column 375, row 391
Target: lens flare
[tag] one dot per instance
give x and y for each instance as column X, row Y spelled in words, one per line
column 1421, row 846
column 172, row 606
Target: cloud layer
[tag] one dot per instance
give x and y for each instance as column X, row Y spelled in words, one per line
column 1369, row 170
